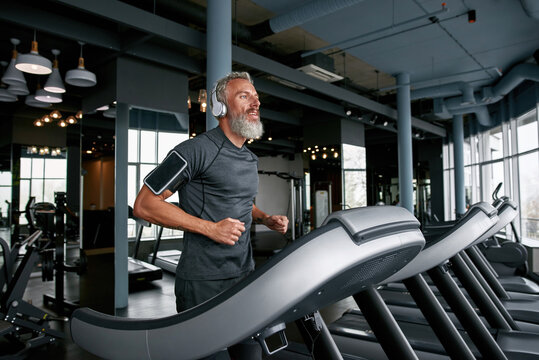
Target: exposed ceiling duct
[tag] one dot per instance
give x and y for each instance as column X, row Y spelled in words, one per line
column 451, row 89
column 488, row 95
column 531, row 7
column 310, row 11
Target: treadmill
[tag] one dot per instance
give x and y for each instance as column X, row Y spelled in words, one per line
column 353, row 336
column 523, row 307
column 353, row 250
column 140, row 271
column 164, row 259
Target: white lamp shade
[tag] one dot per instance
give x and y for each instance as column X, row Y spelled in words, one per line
column 54, row 83
column 48, row 97
column 34, row 64
column 80, row 77
column 13, row 76
column 110, row 113
column 31, row 101
column 6, row 96
column 18, row 89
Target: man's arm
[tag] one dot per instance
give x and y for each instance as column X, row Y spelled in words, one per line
column 278, row 223
column 156, row 210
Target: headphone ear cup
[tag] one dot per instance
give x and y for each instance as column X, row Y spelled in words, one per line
column 218, row 108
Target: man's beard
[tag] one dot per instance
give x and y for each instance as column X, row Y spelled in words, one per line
column 245, row 128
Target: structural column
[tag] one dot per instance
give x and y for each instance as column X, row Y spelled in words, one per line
column 218, row 48
column 121, row 283
column 406, row 186
column 458, row 154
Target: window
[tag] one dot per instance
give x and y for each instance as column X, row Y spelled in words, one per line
column 41, row 176
column 515, row 165
column 151, row 136
column 354, row 176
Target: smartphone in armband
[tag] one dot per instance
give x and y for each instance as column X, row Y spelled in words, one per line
column 160, row 178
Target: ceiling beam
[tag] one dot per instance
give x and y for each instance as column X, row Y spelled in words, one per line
column 144, row 21
column 70, row 29
column 278, row 116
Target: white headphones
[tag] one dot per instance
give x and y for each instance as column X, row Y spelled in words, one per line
column 218, row 109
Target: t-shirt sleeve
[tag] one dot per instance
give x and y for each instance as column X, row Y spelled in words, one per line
column 181, row 164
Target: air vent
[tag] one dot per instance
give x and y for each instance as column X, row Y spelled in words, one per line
column 286, row 82
column 320, row 73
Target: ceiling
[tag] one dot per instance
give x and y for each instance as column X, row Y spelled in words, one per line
column 367, row 42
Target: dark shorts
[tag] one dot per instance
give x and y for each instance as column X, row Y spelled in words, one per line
column 190, row 293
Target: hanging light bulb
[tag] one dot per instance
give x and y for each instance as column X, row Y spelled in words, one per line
column 55, row 114
column 80, row 76
column 46, row 119
column 46, row 150
column 38, row 123
column 78, row 115
column 14, row 76
column 62, row 123
column 54, row 83
column 202, row 99
column 71, row 120
column 34, row 149
column 33, row 63
column 188, row 101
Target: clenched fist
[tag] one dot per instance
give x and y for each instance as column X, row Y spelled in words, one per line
column 227, row 231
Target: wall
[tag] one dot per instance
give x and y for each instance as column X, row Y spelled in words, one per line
column 98, row 183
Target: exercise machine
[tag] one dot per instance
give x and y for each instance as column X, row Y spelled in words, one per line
column 141, row 271
column 351, row 251
column 23, row 324
column 474, row 338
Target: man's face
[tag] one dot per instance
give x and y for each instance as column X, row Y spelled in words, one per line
column 243, row 109
column 242, row 99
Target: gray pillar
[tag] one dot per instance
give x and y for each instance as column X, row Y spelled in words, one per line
column 458, row 154
column 406, row 168
column 121, row 277
column 218, row 48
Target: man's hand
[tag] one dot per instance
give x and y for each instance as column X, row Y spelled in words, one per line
column 227, row 231
column 278, row 223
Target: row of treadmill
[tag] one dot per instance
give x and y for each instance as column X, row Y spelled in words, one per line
column 427, row 294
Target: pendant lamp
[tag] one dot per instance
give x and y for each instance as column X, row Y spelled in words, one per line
column 13, row 76
column 6, row 96
column 80, row 76
column 48, row 97
column 54, row 83
column 30, row 100
column 32, row 62
column 18, row 89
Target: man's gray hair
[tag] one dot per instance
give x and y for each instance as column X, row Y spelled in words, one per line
column 221, row 84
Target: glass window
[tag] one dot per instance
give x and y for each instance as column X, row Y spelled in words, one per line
column 37, row 167
column 355, row 185
column 527, row 132
column 492, row 175
column 55, row 168
column 467, row 152
column 132, row 190
column 147, row 147
column 167, row 141
column 152, row 146
column 132, row 145
column 529, row 196
column 26, row 168
column 494, row 145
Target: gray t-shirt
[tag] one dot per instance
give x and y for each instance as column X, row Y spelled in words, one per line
column 219, row 181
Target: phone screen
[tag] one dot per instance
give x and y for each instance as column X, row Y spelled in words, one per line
column 160, row 178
